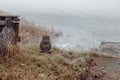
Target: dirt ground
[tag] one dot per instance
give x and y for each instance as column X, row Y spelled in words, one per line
column 101, row 68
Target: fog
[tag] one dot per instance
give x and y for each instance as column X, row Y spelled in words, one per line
column 103, row 24
column 63, row 6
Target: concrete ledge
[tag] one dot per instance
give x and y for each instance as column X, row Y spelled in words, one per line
column 110, row 47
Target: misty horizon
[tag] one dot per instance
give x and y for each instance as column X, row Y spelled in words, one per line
column 76, row 7
column 87, row 22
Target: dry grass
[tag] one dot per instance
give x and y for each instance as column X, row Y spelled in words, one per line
column 99, row 54
column 31, row 33
column 27, row 63
column 33, row 65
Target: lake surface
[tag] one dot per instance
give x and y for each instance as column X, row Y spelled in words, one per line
column 81, row 31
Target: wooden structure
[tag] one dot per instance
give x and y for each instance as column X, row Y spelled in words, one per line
column 14, row 20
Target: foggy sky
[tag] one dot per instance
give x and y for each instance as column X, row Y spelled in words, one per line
column 63, row 6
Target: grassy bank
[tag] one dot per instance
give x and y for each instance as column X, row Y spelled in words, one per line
column 27, row 63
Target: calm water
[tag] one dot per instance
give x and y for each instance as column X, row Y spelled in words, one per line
column 80, row 32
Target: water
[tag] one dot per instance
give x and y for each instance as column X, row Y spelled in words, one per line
column 81, row 31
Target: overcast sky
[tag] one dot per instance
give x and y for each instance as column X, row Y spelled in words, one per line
column 63, row 6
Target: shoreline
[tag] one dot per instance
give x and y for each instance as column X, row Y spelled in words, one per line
column 28, row 63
